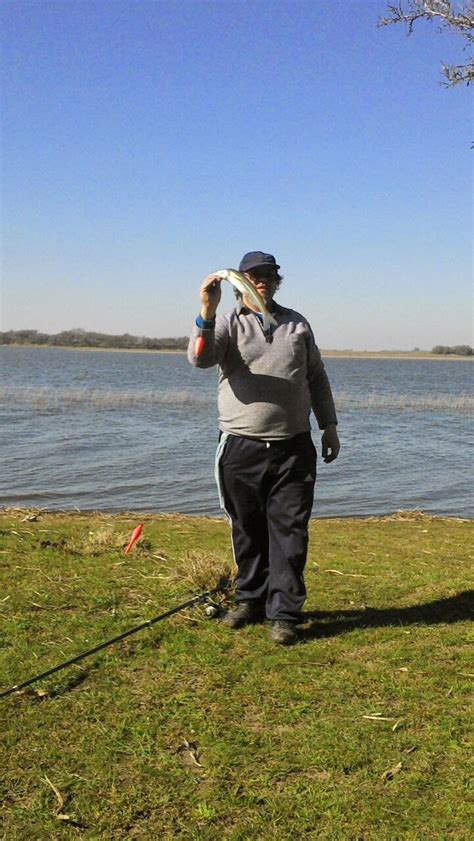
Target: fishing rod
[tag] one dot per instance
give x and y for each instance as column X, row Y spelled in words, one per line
column 201, row 597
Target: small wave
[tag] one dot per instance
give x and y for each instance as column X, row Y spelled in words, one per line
column 44, row 398
column 428, row 402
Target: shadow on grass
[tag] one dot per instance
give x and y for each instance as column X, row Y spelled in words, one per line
column 331, row 623
column 72, row 683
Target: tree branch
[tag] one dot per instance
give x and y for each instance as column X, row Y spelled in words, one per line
column 442, row 11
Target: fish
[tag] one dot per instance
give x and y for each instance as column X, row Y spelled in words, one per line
column 246, row 288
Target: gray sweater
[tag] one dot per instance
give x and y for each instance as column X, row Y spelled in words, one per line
column 268, row 383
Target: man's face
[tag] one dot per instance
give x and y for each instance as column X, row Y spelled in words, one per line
column 265, row 280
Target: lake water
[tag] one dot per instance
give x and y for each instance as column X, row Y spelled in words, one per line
column 118, row 431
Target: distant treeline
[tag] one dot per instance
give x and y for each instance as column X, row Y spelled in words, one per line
column 459, row 350
column 86, row 338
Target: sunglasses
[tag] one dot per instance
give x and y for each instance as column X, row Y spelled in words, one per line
column 260, row 273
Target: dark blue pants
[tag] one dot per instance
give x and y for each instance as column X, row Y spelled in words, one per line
column 268, row 492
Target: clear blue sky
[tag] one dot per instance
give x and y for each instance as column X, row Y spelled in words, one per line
column 147, row 143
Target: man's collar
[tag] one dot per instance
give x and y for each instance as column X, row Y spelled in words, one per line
column 240, row 307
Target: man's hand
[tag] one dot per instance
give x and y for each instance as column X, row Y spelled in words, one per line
column 210, row 293
column 330, row 442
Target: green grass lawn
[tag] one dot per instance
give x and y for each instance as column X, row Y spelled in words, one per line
column 192, row 730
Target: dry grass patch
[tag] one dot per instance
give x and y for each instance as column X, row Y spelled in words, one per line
column 104, row 537
column 201, row 571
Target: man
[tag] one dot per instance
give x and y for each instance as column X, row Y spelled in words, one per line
column 266, row 461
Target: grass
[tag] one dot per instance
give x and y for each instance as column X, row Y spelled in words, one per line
column 190, row 730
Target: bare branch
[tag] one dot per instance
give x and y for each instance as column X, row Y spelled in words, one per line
column 443, row 12
column 458, row 74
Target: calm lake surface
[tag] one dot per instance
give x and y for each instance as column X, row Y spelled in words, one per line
column 118, row 431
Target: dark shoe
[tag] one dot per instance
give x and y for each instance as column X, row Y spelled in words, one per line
column 245, row 613
column 283, row 633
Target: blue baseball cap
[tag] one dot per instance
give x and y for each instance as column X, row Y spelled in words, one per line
column 254, row 259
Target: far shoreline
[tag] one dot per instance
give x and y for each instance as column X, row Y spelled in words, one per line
column 327, row 354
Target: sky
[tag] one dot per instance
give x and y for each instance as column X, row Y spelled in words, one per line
column 147, row 143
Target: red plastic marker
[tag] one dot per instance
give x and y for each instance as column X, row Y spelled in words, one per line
column 198, row 346
column 135, row 535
